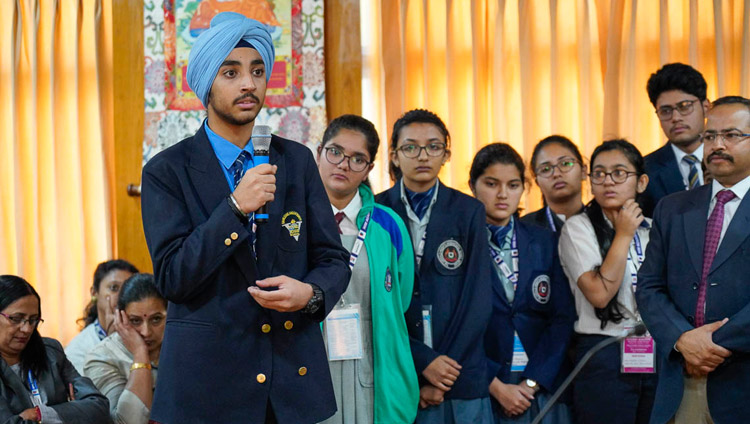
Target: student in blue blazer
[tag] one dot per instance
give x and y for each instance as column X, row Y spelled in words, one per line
column 559, row 171
column 451, row 303
column 532, row 312
column 242, row 341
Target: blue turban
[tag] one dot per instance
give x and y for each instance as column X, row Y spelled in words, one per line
column 214, row 45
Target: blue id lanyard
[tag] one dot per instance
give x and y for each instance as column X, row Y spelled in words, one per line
column 359, row 242
column 420, row 249
column 511, row 275
column 636, row 266
column 550, row 219
column 35, row 394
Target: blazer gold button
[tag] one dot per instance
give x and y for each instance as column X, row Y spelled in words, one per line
column 227, row 242
column 265, row 328
column 261, row 378
column 234, row 236
column 302, row 370
column 288, row 325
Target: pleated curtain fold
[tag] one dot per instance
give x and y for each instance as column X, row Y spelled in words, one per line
column 54, row 179
column 519, row 70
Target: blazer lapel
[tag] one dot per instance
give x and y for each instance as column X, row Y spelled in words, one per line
column 695, row 225
column 14, row 382
column 436, row 221
column 523, row 238
column 737, row 232
column 207, row 176
column 268, row 233
column 670, row 176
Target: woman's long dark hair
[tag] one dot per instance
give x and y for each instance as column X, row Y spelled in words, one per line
column 34, row 355
column 605, row 233
column 90, row 313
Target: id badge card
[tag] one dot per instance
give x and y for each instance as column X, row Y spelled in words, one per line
column 344, row 333
column 520, row 359
column 427, row 324
column 637, row 353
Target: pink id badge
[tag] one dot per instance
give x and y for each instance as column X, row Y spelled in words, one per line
column 638, row 354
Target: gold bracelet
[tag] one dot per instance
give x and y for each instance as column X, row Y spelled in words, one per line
column 139, row 365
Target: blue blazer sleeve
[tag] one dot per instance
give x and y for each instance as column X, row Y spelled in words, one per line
column 549, row 354
column 474, row 308
column 184, row 255
column 329, row 268
column 657, row 309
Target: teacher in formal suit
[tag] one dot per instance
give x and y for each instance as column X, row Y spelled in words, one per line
column 242, row 341
column 694, row 292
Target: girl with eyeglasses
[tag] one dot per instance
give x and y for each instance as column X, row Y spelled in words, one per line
column 559, row 172
column 375, row 382
column 601, row 251
column 532, row 308
column 37, row 382
column 451, row 303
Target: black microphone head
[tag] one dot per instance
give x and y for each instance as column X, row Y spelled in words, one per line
column 261, row 137
column 639, row 329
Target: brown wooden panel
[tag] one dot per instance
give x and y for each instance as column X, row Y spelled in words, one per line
column 343, row 54
column 127, row 60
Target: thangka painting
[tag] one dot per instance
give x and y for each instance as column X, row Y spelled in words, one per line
column 295, row 96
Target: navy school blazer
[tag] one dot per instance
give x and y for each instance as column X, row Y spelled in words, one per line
column 542, row 312
column 664, row 178
column 459, row 295
column 668, row 293
column 224, row 358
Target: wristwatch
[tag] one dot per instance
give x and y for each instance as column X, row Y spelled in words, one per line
column 315, row 301
column 532, row 384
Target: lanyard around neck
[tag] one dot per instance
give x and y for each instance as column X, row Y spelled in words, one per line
column 359, row 242
column 511, row 275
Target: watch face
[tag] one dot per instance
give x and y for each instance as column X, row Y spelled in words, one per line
column 530, row 383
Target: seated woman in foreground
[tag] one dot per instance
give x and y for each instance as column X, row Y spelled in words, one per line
column 37, row 382
column 123, row 366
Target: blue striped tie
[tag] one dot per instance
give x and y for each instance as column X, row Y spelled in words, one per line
column 693, row 174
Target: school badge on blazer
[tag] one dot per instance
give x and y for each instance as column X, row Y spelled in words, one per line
column 292, row 221
column 540, row 289
column 450, row 254
column 388, row 280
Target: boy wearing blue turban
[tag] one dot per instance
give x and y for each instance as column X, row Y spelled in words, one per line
column 242, row 341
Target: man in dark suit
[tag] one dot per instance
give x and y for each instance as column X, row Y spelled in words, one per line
column 694, row 286
column 242, row 341
column 678, row 93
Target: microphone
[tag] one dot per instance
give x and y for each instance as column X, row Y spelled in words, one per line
column 638, row 330
column 261, row 144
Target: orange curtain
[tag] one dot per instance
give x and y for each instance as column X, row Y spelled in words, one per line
column 54, row 219
column 519, row 70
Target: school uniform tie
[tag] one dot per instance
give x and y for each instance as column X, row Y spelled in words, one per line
column 693, row 174
column 339, row 217
column 711, row 244
column 237, row 170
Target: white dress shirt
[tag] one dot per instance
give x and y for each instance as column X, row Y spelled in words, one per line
column 579, row 253
column 348, row 225
column 730, row 208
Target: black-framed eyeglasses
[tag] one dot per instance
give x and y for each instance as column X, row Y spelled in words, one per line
column 547, row 170
column 357, row 162
column 685, row 107
column 19, row 320
column 730, row 137
column 412, row 151
column 618, row 176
